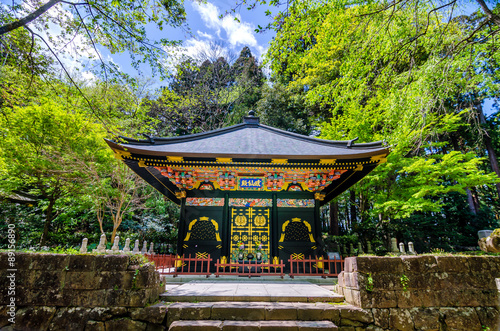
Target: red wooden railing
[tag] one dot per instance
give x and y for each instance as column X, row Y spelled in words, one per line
column 164, row 263
column 192, row 265
column 183, row 265
column 316, row 267
column 249, row 268
column 187, row 265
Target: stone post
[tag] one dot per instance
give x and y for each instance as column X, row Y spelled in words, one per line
column 151, row 248
column 83, row 249
column 402, row 248
column 144, row 247
column 136, row 247
column 411, row 249
column 115, row 249
column 101, row 248
column 369, row 247
column 344, row 251
column 360, row 248
column 126, row 248
column 351, row 249
column 394, row 245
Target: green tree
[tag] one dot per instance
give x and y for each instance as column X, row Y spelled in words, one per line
column 117, row 191
column 117, row 25
column 208, row 95
column 386, row 84
column 45, row 145
column 285, row 108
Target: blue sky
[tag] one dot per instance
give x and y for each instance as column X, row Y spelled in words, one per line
column 203, row 21
column 206, row 27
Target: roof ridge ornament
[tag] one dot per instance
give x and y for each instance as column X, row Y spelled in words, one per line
column 251, row 118
column 350, row 142
column 150, row 138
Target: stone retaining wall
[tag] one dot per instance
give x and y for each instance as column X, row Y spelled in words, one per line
column 59, row 291
column 425, row 292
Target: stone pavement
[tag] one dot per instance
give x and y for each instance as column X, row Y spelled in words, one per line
column 170, row 279
column 244, row 290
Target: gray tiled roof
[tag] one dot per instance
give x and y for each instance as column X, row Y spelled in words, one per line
column 252, row 140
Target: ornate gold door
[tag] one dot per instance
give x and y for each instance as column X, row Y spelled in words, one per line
column 250, row 225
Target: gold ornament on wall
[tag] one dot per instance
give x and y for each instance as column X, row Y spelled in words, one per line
column 260, row 220
column 240, row 220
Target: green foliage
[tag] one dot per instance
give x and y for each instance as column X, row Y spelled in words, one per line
column 134, row 280
column 284, row 108
column 404, row 282
column 334, row 243
column 116, row 25
column 63, row 250
column 137, row 260
column 341, row 70
column 380, row 250
column 207, row 94
column 369, row 282
column 46, row 145
column 381, row 75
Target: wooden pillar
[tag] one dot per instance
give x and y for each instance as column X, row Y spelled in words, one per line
column 317, row 220
column 274, row 229
column 226, row 229
column 181, row 234
column 334, row 218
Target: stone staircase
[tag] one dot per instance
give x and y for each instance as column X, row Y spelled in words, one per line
column 252, row 316
column 252, row 325
column 233, row 315
column 260, row 305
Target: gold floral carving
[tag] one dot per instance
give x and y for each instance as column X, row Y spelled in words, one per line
column 240, row 220
column 260, row 220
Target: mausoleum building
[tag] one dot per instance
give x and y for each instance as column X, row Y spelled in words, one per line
column 249, row 186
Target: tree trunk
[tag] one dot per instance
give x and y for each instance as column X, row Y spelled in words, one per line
column 334, row 218
column 470, row 200
column 347, row 217
column 49, row 215
column 100, row 216
column 487, row 11
column 362, row 207
column 489, row 147
column 116, row 223
column 475, row 198
column 113, row 235
column 352, row 203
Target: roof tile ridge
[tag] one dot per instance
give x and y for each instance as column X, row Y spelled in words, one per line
column 342, row 143
column 190, row 137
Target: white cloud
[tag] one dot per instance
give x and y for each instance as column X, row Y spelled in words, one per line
column 193, row 47
column 222, row 37
column 204, row 35
column 74, row 51
column 238, row 33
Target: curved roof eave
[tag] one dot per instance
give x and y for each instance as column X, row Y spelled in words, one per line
column 204, row 135
column 350, row 154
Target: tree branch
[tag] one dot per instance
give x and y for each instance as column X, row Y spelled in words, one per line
column 492, row 17
column 23, row 21
column 93, row 44
column 67, row 74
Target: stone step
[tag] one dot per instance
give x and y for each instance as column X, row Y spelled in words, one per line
column 256, row 311
column 228, row 325
column 181, row 279
column 207, row 291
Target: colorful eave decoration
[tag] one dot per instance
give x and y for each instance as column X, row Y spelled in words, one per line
column 249, row 157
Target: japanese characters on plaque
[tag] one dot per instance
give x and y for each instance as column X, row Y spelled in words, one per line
column 250, row 183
